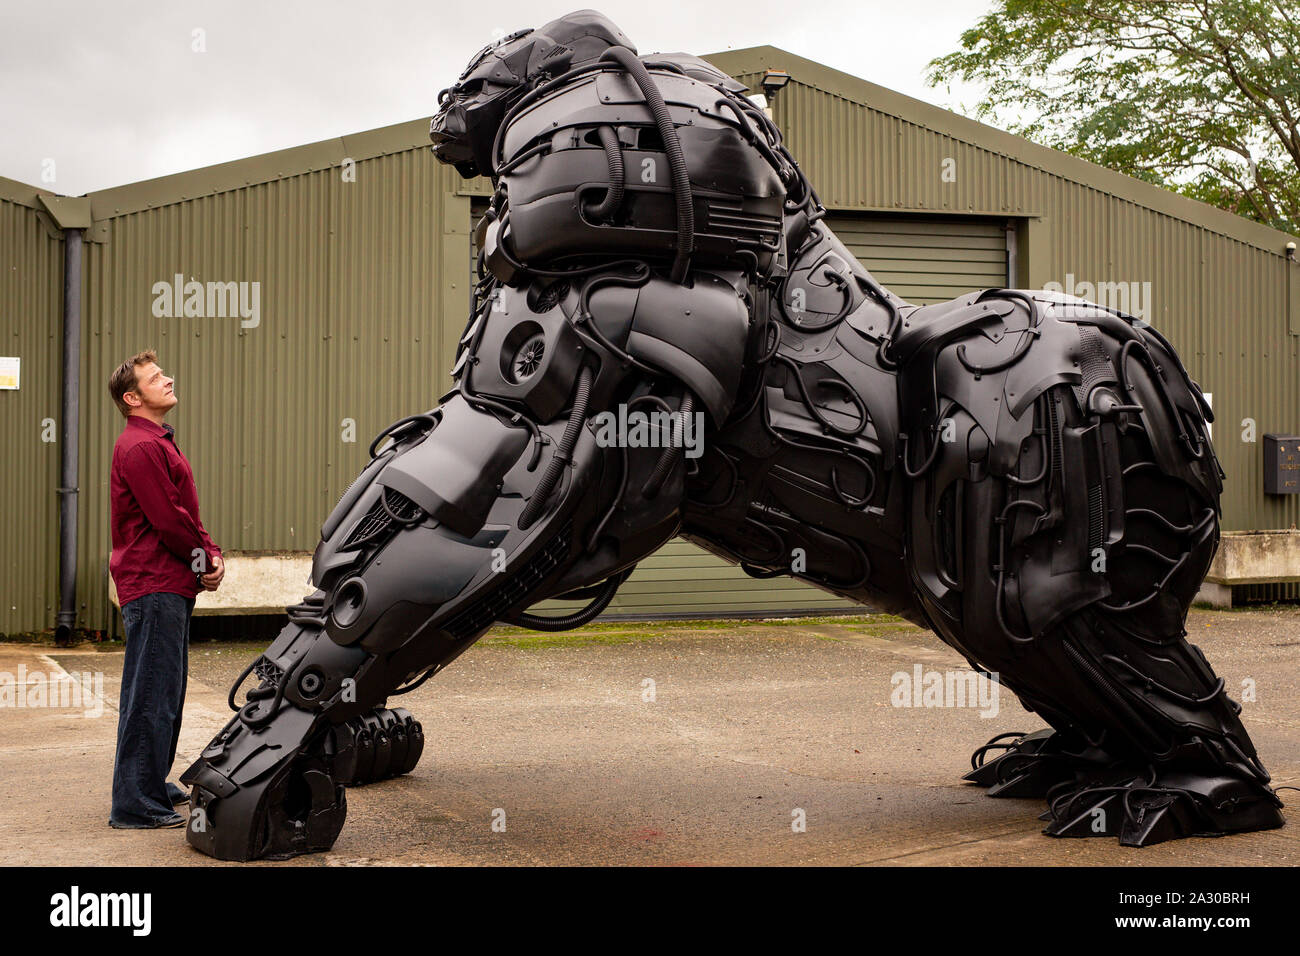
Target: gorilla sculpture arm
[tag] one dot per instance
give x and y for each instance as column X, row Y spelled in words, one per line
column 1028, row 474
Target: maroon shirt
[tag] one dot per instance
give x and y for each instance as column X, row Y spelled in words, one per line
column 156, row 526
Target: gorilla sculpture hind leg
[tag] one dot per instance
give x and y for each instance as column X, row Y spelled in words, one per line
column 1075, row 572
column 1028, row 474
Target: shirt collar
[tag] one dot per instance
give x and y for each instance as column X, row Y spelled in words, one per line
column 162, row 431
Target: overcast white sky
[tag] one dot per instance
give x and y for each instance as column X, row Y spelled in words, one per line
column 112, row 92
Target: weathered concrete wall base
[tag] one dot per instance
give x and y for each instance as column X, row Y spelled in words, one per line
column 1256, row 557
column 1215, row 595
column 255, row 584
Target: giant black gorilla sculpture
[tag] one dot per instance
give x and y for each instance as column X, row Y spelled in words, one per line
column 1028, row 474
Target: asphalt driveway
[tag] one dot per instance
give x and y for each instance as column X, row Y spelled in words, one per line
column 706, row 743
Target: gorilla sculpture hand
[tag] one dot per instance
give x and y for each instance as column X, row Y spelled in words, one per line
column 1028, row 474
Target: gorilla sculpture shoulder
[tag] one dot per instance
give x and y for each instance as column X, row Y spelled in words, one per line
column 1028, row 474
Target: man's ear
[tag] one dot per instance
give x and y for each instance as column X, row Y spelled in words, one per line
column 127, row 396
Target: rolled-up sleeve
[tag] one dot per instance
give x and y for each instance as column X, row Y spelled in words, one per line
column 146, row 474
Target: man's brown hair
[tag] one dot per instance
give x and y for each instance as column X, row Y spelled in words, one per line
column 123, row 380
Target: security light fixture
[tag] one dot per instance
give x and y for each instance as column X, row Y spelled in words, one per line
column 774, row 80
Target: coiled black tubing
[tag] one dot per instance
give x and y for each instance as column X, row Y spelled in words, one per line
column 672, row 146
column 617, row 178
column 577, row 618
column 668, row 457
column 551, row 477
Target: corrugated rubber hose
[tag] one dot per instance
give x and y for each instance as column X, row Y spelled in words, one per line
column 568, row 622
column 673, row 147
column 617, row 177
column 551, row 477
column 669, row 457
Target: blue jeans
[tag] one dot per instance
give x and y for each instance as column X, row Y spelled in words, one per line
column 154, row 676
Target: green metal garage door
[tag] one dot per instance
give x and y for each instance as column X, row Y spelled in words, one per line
column 922, row 260
column 927, row 260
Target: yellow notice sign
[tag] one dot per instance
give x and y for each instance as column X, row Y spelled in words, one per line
column 8, row 372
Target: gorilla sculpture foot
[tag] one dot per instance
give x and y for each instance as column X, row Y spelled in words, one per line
column 288, row 800
column 1153, row 806
column 376, row 746
column 1092, row 794
column 1030, row 765
column 270, row 784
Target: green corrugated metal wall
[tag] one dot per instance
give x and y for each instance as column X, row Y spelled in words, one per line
column 353, row 329
column 31, row 297
column 926, row 260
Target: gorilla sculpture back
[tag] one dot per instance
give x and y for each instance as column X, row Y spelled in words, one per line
column 1026, row 473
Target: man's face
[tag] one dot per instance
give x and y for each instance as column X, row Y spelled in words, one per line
column 154, row 390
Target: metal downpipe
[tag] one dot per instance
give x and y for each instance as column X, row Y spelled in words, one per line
column 70, row 411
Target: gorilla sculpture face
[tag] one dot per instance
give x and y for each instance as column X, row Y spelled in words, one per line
column 497, row 77
column 471, row 110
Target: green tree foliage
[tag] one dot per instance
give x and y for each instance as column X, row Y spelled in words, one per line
column 1199, row 97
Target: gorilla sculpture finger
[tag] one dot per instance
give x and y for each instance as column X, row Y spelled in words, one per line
column 1026, row 473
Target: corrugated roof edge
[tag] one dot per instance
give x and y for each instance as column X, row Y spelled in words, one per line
column 22, row 194
column 266, row 167
column 945, row 122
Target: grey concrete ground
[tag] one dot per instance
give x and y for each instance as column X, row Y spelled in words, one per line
column 749, row 723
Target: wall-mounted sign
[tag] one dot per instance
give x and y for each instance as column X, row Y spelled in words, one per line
column 1282, row 464
column 9, row 371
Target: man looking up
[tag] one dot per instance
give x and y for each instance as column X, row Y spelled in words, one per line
column 162, row 557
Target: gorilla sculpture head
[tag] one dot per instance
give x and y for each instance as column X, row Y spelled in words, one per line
column 470, row 111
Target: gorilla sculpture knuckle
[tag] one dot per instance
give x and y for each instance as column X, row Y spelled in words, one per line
column 1027, row 473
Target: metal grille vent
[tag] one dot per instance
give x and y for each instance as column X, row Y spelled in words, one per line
column 729, row 219
column 1094, row 363
column 379, row 519
column 1096, row 526
column 483, row 612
